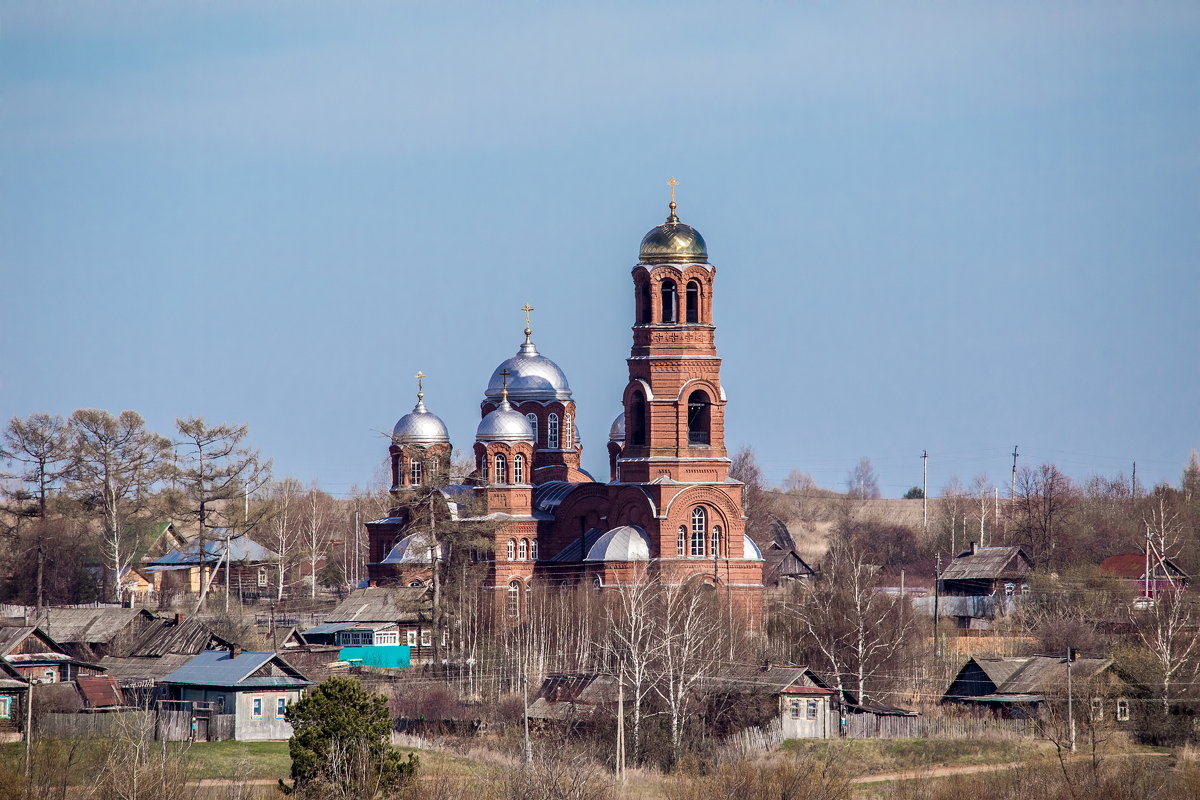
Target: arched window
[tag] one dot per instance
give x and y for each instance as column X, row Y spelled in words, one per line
column 512, row 549
column 681, row 544
column 514, row 599
column 699, row 417
column 716, row 541
column 668, row 302
column 501, row 468
column 637, row 418
column 552, row 431
column 643, row 303
column 699, row 529
column 568, row 431
column 518, row 468
column 523, row 550
column 483, row 468
column 533, row 426
column 416, row 471
column 597, row 584
column 533, row 550
column 693, row 301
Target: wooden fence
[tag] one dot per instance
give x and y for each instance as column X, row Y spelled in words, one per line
column 162, row 725
column 870, row 726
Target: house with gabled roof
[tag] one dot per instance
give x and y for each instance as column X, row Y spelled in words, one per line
column 256, row 687
column 92, row 633
column 40, row 659
column 252, row 569
column 1149, row 575
column 982, row 571
column 1018, row 687
column 14, row 690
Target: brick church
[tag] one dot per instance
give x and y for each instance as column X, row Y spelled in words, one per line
column 669, row 507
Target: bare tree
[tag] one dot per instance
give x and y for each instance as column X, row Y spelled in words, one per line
column 41, row 443
column 632, row 644
column 1169, row 628
column 862, row 482
column 117, row 461
column 215, row 469
column 313, row 531
column 688, row 651
column 282, row 532
column 858, row 630
column 983, row 500
column 1045, row 498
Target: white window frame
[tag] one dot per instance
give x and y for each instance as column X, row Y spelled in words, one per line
column 813, row 709
column 552, row 432
column 682, row 543
column 699, row 532
column 501, row 465
column 716, row 541
column 794, row 709
column 1122, row 710
column 280, row 707
column 426, row 638
column 416, row 471
column 534, row 425
column 514, row 599
column 256, row 708
column 519, row 468
column 5, row 706
column 568, row 431
column 523, row 550
column 262, row 576
column 511, row 549
column 533, row 554
column 411, row 638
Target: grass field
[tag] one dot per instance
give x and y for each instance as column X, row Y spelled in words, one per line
column 875, row 756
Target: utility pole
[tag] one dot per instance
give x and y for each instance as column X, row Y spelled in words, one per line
column 1133, row 482
column 937, row 574
column 28, row 728
column 357, row 551
column 227, row 572
column 1070, row 701
column 620, row 728
column 925, row 487
column 1012, row 489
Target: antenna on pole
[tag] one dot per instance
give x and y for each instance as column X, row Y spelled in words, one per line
column 1012, row 489
column 925, row 487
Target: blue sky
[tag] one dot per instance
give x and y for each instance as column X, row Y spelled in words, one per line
column 952, row 227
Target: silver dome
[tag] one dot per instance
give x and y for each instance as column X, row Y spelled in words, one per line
column 531, row 376
column 752, row 553
column 504, row 425
column 626, row 543
column 617, row 432
column 414, row 549
column 420, row 427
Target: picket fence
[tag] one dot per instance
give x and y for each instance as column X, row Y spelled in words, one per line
column 870, row 726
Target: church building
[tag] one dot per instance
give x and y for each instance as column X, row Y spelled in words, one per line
column 668, row 509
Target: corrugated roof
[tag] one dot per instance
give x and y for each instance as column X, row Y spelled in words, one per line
column 547, row 496
column 100, row 691
column 242, row 548
column 326, row 628
column 222, row 668
column 987, row 563
column 381, row 604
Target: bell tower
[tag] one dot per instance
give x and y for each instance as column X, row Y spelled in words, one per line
column 674, row 403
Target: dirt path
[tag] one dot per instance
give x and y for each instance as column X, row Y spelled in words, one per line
column 968, row 769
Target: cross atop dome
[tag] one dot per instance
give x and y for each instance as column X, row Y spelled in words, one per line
column 528, row 330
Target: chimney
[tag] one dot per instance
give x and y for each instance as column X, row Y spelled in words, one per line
column 974, row 547
column 178, row 618
column 236, row 651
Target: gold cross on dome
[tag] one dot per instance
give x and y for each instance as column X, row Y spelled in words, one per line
column 528, row 330
column 672, row 183
column 504, row 377
column 420, row 376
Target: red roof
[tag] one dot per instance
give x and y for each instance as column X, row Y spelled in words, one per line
column 808, row 690
column 1125, row 565
column 100, row 691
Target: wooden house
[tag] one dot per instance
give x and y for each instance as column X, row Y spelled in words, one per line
column 1149, row 576
column 1018, row 687
column 39, row 659
column 981, row 571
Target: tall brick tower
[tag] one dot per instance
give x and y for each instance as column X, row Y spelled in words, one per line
column 674, row 404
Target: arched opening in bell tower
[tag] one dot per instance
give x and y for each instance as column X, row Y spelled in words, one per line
column 668, row 302
column 637, row 419
column 699, row 417
column 693, row 302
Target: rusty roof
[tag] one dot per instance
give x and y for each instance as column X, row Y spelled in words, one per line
column 100, row 691
column 1133, row 567
column 988, row 563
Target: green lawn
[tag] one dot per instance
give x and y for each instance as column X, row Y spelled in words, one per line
column 245, row 760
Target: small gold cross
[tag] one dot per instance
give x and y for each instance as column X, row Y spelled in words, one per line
column 504, row 392
column 420, row 376
column 672, row 183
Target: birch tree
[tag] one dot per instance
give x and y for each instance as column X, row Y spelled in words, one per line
column 281, row 535
column 116, row 462
column 313, row 532
column 689, row 650
column 632, row 644
column 1170, row 630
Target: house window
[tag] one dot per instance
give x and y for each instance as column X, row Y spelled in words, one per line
column 1009, row 589
column 514, row 599
column 483, row 468
column 262, row 576
column 49, row 675
column 1122, row 710
column 416, row 471
column 568, row 431
column 426, row 638
column 256, row 708
column 699, row 529
column 794, row 709
column 812, row 709
column 511, row 549
column 533, row 426
column 552, row 431
column 411, row 638
column 5, row 707
column 518, row 468
column 1024, row 589
column 280, row 707
column 501, row 468
column 681, row 542
column 523, row 550
column 533, row 550
column 716, row 541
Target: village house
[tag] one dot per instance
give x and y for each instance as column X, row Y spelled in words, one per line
column 38, row 658
column 380, row 616
column 1018, row 687
column 805, row 706
column 164, row 647
column 251, row 569
column 987, row 571
column 89, row 634
column 13, row 691
column 254, row 687
column 1148, row 576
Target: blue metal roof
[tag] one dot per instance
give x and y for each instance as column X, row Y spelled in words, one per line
column 220, row 668
column 242, row 548
column 328, row 627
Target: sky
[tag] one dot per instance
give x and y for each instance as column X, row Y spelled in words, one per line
column 942, row 227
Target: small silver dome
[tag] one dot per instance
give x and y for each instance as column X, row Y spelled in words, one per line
column 414, row 549
column 751, row 550
column 617, row 432
column 626, row 543
column 673, row 242
column 420, row 427
column 504, row 425
column 531, row 376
